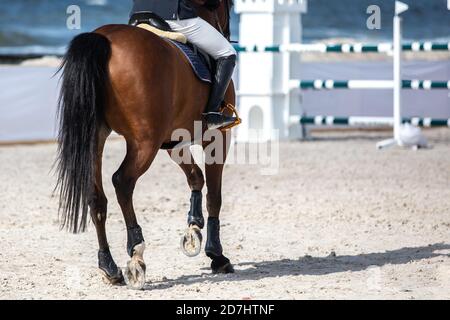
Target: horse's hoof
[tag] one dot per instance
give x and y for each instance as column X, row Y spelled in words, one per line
column 191, row 241
column 135, row 271
column 221, row 265
column 112, row 280
column 111, row 274
column 228, row 268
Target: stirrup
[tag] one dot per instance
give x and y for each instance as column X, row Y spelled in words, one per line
column 232, row 108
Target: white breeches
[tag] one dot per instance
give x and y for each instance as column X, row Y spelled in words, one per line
column 205, row 36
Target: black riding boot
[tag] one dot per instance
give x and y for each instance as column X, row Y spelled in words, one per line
column 224, row 71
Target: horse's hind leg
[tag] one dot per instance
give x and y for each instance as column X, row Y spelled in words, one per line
column 98, row 209
column 213, row 248
column 140, row 155
column 191, row 241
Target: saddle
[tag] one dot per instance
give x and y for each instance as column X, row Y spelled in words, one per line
column 201, row 63
column 154, row 23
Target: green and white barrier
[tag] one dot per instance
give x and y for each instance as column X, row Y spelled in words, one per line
column 369, row 84
column 345, row 47
column 368, row 121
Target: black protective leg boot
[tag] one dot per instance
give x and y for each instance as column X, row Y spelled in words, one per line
column 224, row 72
column 213, row 247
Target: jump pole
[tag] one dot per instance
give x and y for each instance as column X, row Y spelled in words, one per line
column 400, row 7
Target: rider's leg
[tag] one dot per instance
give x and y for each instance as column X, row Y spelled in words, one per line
column 207, row 38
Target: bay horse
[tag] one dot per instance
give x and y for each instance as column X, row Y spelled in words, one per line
column 129, row 80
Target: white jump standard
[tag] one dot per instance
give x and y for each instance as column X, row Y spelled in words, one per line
column 265, row 97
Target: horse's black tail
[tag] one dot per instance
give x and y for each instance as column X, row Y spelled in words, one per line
column 80, row 113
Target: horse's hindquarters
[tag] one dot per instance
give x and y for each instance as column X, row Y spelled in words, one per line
column 153, row 89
